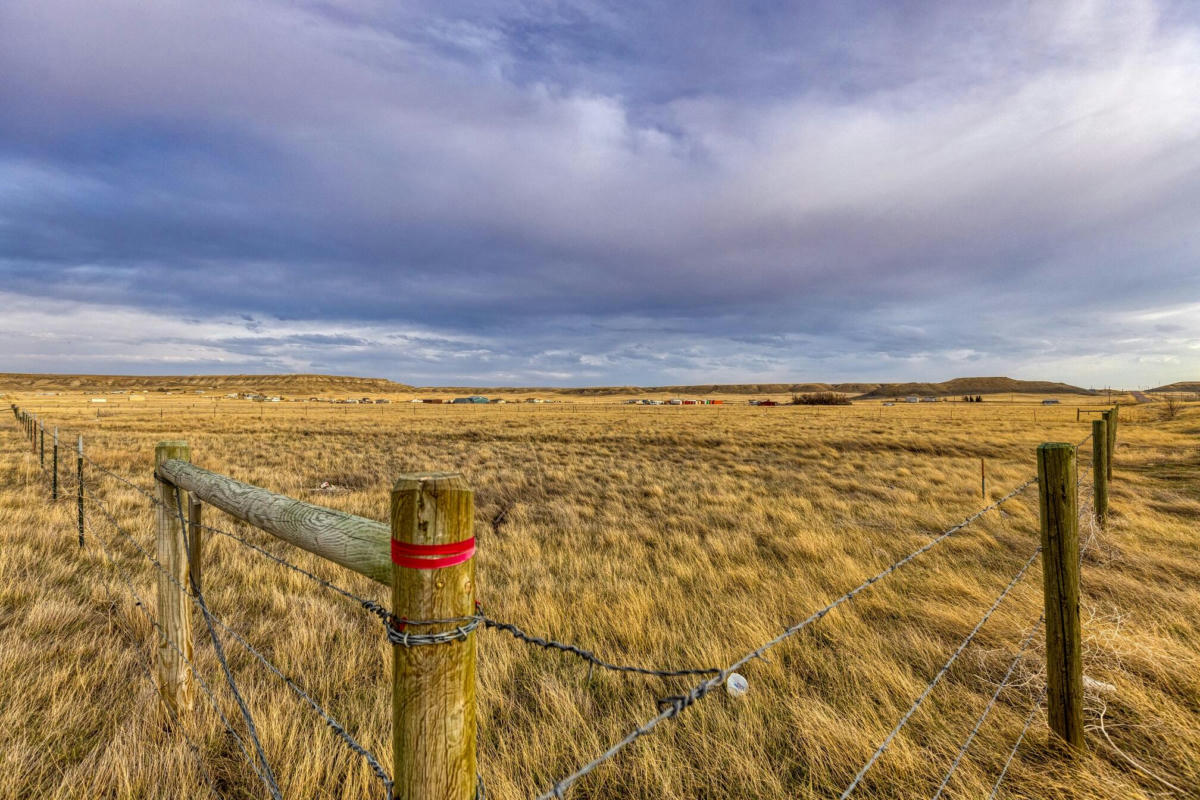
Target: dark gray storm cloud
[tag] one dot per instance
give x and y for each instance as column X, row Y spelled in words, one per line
column 589, row 192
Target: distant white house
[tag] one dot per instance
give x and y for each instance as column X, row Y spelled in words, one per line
column 912, row 398
column 99, row 399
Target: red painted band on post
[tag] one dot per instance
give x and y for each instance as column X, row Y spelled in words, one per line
column 417, row 556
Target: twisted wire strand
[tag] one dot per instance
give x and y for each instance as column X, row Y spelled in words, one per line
column 339, row 730
column 588, row 655
column 1012, row 753
column 370, row 605
column 219, row 650
column 144, row 666
column 144, row 608
column 672, row 706
column 333, row 724
column 937, row 678
column 962, row 751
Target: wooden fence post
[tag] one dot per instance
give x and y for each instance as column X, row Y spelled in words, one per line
column 174, row 678
column 433, row 689
column 1059, row 507
column 1111, row 417
column 54, row 466
column 42, row 454
column 1100, row 469
column 79, row 486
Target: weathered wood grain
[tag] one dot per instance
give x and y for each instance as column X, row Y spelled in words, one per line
column 1059, row 506
column 174, row 607
column 433, row 690
column 354, row 542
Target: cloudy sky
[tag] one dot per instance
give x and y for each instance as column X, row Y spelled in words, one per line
column 591, row 193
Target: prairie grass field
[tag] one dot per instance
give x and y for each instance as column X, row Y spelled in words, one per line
column 679, row 537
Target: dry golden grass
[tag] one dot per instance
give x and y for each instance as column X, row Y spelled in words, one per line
column 656, row 536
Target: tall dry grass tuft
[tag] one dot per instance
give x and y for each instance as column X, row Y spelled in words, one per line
column 651, row 535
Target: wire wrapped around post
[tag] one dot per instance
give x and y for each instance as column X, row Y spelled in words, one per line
column 433, row 690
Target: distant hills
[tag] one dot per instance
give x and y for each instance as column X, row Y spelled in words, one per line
column 272, row 384
column 1180, row 386
column 961, row 386
column 339, row 384
column 693, row 390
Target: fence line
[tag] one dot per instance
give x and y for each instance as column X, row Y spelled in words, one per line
column 143, row 606
column 418, row 556
column 674, row 705
column 938, row 677
column 1016, row 745
column 962, row 751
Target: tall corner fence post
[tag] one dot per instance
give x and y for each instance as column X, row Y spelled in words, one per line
column 1100, row 470
column 79, row 488
column 174, row 607
column 433, row 685
column 1058, row 501
column 54, row 468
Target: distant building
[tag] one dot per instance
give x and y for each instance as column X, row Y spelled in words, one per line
column 1049, row 401
column 475, row 398
column 912, row 399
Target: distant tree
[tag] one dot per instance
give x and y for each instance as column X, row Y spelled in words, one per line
column 1172, row 405
column 978, row 398
column 820, row 399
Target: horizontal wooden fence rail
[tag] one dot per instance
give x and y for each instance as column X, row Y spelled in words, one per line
column 356, row 543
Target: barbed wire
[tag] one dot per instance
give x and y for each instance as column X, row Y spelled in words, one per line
column 266, row 774
column 1012, row 753
column 588, row 655
column 962, row 751
column 937, row 678
column 671, row 706
column 146, row 668
column 197, row 598
column 142, row 605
